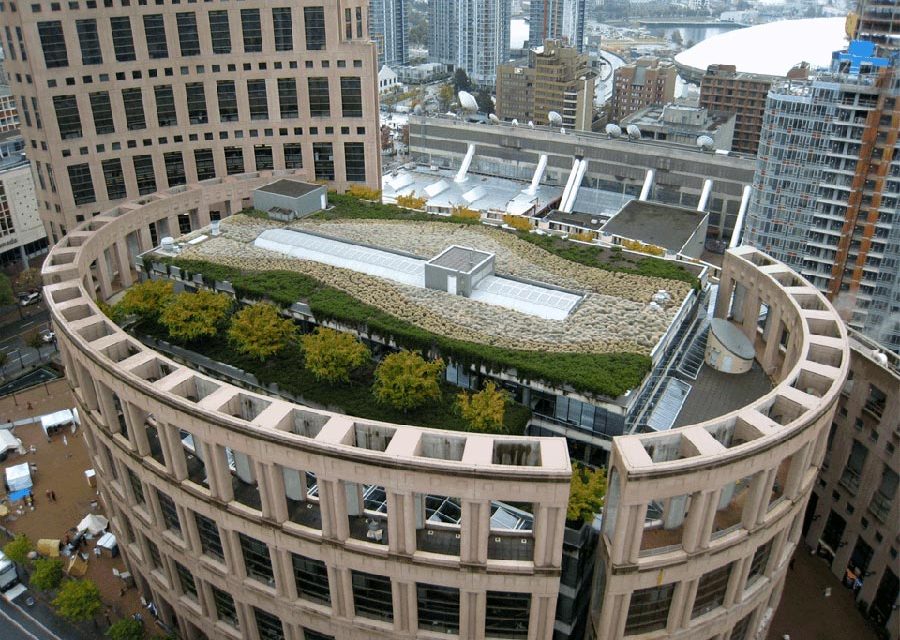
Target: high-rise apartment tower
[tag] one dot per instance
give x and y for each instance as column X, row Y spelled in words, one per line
column 120, row 99
column 557, row 20
column 470, row 34
column 389, row 28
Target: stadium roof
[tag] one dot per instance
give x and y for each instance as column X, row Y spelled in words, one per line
column 770, row 49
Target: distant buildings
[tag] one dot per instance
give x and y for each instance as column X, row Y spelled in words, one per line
column 9, row 115
column 877, row 21
column 556, row 78
column 389, row 29
column 683, row 124
column 471, row 35
column 557, row 20
column 387, row 80
column 743, row 94
column 640, row 84
column 22, row 235
column 827, row 186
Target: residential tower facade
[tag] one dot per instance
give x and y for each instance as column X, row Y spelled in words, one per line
column 557, row 20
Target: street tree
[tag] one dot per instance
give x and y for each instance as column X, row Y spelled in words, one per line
column 485, row 104
column 34, row 340
column 191, row 316
column 18, row 549
column 147, row 299
column 29, row 279
column 126, row 629
column 483, row 411
column 333, row 355
column 47, row 574
column 6, row 292
column 461, row 80
column 445, row 97
column 259, row 330
column 405, row 380
column 78, row 600
column 587, row 488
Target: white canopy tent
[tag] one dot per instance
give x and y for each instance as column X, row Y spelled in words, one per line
column 58, row 419
column 93, row 524
column 18, row 477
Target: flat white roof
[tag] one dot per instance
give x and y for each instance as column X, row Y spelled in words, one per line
column 532, row 299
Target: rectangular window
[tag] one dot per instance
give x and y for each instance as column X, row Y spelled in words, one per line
column 759, row 563
column 257, row 98
column 143, row 173
column 234, row 160
column 53, row 44
column 263, row 156
column 351, row 97
column 133, row 101
column 174, row 169
column 323, row 160
column 115, row 180
column 153, row 551
column 256, row 559
column 186, row 580
column 220, row 31
column 711, row 591
column 287, row 98
column 136, row 487
column 227, row 98
column 196, row 103
column 155, row 33
column 102, row 112
column 9, row 43
column 372, row 596
column 438, row 608
column 649, row 609
column 251, row 30
column 210, row 541
column 348, row 24
column 225, row 609
column 314, row 27
column 165, row 106
column 355, row 161
column 507, row 614
column 283, row 27
column 123, row 40
column 81, row 183
column 319, row 101
column 67, row 117
column 169, row 512
column 89, row 41
column 188, row 38
column 293, row 156
column 268, row 625
column 206, row 166
column 21, row 38
column 311, row 577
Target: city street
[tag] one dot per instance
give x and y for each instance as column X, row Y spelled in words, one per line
column 13, row 340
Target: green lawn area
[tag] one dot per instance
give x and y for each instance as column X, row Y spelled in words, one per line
column 354, row 399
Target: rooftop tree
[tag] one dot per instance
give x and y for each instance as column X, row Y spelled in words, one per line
column 405, row 380
column 333, row 355
column 587, row 489
column 483, row 410
column 191, row 316
column 259, row 330
column 147, row 299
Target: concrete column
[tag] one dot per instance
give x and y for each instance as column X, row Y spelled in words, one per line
column 271, row 489
column 86, row 386
column 723, row 298
column 697, row 525
column 104, row 276
column 757, row 502
column 472, row 609
column 23, row 256
column 203, row 214
column 403, row 597
column 401, row 523
column 137, row 428
column 773, row 334
column 125, row 278
column 284, row 575
column 631, row 549
column 218, row 473
column 475, row 530
column 174, row 229
column 683, row 591
column 145, row 240
column 173, row 451
column 541, row 617
column 191, row 534
column 341, row 591
column 732, row 590
column 333, row 505
column 549, row 524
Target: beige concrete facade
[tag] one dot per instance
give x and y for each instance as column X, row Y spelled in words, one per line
column 127, row 97
column 179, row 455
column 700, row 523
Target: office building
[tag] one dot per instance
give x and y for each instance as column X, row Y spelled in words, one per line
column 243, row 515
column 390, row 31
column 472, row 35
column 556, row 78
column 122, row 100
column 826, row 187
column 22, row 236
column 684, row 124
column 743, row 94
column 851, row 519
column 561, row 20
column 645, row 82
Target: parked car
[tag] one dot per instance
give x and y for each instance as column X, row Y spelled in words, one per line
column 47, row 336
column 29, row 298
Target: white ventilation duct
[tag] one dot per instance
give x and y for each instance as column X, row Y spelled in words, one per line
column 648, row 184
column 464, row 167
column 739, row 223
column 538, row 174
column 704, row 196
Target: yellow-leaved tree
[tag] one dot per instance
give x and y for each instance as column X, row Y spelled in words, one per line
column 405, row 380
column 483, row 410
column 259, row 330
column 333, row 355
column 147, row 299
column 587, row 489
column 191, row 316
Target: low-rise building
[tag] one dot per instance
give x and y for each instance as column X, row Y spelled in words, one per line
column 640, row 84
column 388, row 81
column 421, row 73
column 684, row 124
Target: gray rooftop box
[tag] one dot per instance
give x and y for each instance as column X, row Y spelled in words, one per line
column 287, row 200
column 676, row 229
column 458, row 270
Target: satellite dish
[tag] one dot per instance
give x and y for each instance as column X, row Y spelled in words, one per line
column 494, row 101
column 706, row 143
column 467, row 101
column 417, row 110
column 554, row 117
column 493, row 118
column 613, row 130
column 515, row 122
column 531, row 124
column 633, row 132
